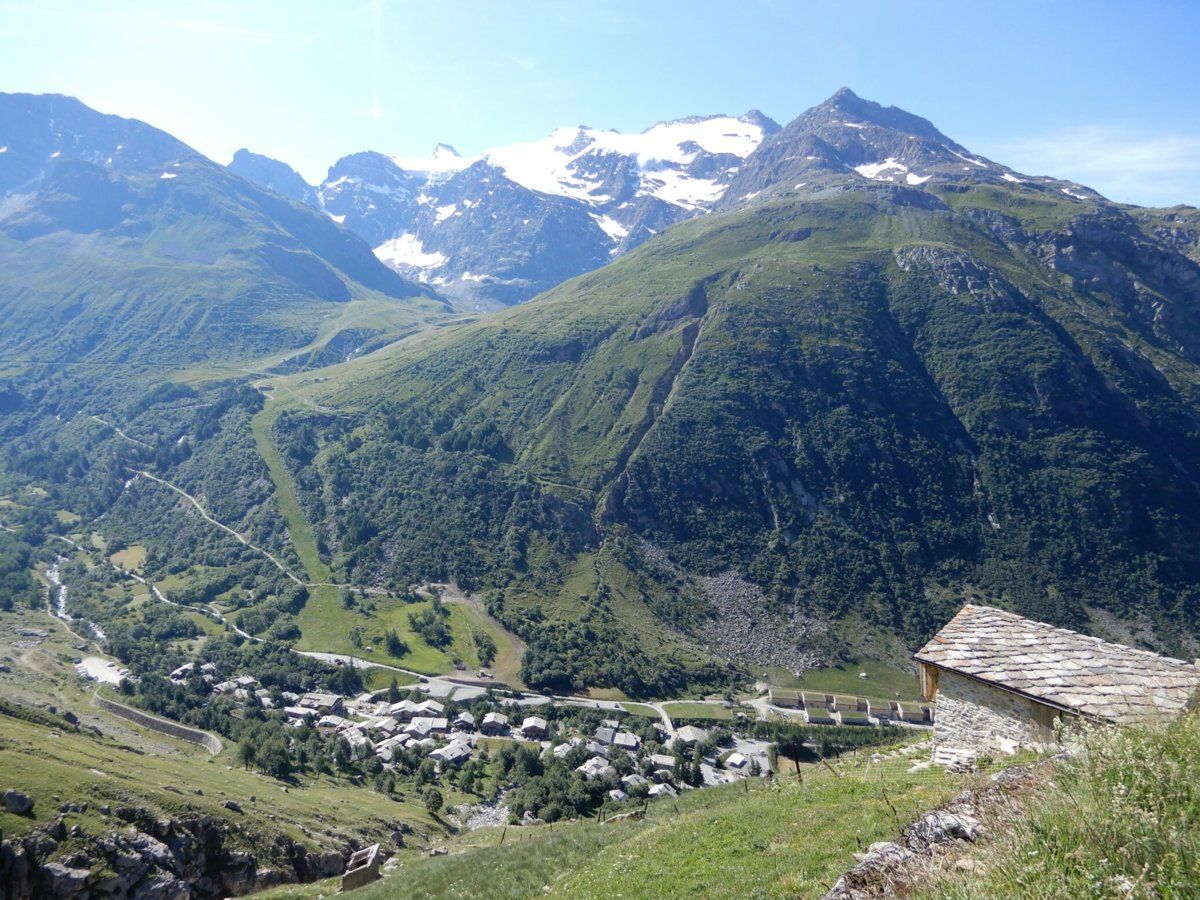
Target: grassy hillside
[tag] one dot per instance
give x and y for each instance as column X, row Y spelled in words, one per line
column 107, row 761
column 867, row 404
column 1122, row 821
column 781, row 839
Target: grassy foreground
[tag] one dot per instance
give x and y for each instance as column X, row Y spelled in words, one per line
column 1123, row 821
column 757, row 839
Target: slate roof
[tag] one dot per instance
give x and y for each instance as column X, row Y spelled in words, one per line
column 1063, row 668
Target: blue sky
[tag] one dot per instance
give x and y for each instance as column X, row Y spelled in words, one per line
column 1102, row 92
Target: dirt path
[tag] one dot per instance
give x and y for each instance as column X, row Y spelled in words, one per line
column 131, row 440
column 242, row 539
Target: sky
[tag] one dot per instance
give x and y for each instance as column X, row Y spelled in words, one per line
column 1101, row 92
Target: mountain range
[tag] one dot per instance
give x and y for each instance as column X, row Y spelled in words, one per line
column 120, row 244
column 517, row 220
column 859, row 373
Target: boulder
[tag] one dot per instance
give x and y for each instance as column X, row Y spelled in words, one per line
column 876, row 873
column 233, row 805
column 64, row 882
column 18, row 802
column 940, row 827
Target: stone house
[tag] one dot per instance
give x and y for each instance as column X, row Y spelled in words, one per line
column 1001, row 681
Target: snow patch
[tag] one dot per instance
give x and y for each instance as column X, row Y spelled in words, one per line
column 4, row 149
column 339, row 219
column 167, row 175
column 445, row 212
column 610, row 226
column 917, row 179
column 1071, row 193
column 407, row 250
column 882, row 171
column 1007, row 176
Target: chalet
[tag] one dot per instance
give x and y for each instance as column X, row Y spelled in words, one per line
column 629, row 782
column 403, row 711
column 559, row 751
column 299, row 713
column 1001, row 681
column 323, row 702
column 494, row 723
column 661, row 761
column 464, row 721
column 534, row 728
column 429, row 708
column 662, row 790
column 618, row 795
column 330, row 723
column 604, row 735
column 453, row 754
column 424, row 726
column 625, row 740
column 595, row 748
column 183, row 672
column 690, row 734
column 596, row 767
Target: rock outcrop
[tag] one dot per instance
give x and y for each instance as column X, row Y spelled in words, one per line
column 153, row 857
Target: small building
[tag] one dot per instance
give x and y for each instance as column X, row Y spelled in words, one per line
column 690, row 734
column 627, row 741
column 464, row 721
column 629, row 782
column 453, row 754
column 661, row 761
column 738, row 762
column 785, row 698
column 618, row 795
column 1001, row 681
column 494, row 723
column 596, row 767
column 362, row 868
column 424, row 726
column 605, row 734
column 534, row 728
column 662, row 790
column 330, row 723
column 559, row 751
column 323, row 702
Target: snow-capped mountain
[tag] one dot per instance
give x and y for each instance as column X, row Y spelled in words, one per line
column 847, row 134
column 516, row 220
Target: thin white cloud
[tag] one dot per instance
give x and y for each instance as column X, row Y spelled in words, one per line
column 526, row 63
column 1148, row 169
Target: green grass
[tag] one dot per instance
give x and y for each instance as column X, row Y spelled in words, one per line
column 299, row 528
column 698, row 711
column 746, row 840
column 883, row 681
column 43, row 756
column 1122, row 820
column 641, row 709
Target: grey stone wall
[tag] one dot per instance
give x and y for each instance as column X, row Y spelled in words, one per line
column 974, row 715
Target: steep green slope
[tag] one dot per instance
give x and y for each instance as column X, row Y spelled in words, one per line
column 865, row 402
